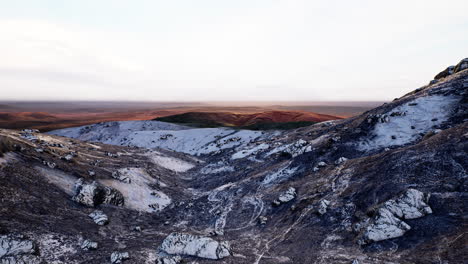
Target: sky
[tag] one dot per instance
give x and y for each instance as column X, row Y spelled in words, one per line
column 220, row 50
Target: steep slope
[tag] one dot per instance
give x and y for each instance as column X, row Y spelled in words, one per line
column 388, row 186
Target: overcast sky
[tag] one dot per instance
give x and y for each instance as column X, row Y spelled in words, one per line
column 201, row 50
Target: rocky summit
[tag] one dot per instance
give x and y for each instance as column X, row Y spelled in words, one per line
column 387, row 186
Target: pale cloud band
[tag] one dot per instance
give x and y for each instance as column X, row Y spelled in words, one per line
column 250, row 50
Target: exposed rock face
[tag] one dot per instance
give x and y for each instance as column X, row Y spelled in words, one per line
column 16, row 249
column 99, row 217
column 444, row 73
column 462, row 65
column 119, row 257
column 92, row 194
column 410, row 205
column 387, row 224
column 192, row 245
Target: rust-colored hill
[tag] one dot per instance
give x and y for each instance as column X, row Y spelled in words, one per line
column 246, row 119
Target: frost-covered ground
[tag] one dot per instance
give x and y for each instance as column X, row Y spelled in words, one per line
column 410, row 121
column 155, row 134
column 137, row 193
column 170, row 163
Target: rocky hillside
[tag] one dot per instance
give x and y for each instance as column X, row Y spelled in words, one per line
column 387, row 186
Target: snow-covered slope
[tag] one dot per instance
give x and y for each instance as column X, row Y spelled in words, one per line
column 154, row 134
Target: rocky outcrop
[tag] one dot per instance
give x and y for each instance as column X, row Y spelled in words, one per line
column 93, row 194
column 197, row 246
column 17, row 249
column 410, row 205
column 99, row 217
column 462, row 65
column 387, row 222
column 119, row 257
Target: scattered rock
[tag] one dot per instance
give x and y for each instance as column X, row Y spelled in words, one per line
column 377, row 118
column 49, row 164
column 192, row 245
column 121, row 177
column 119, row 257
column 99, row 217
column 89, row 245
column 285, row 197
column 39, row 150
column 169, row 260
column 340, row 160
column 323, row 206
column 321, row 164
column 69, row 157
column 262, row 220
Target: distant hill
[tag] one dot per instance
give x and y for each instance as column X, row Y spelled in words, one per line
column 261, row 120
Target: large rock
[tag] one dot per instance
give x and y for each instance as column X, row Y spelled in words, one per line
column 197, row 246
column 119, row 257
column 410, row 205
column 387, row 222
column 384, row 226
column 89, row 245
column 17, row 249
column 285, row 197
column 92, row 194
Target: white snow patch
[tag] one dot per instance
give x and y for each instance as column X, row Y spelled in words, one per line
column 250, row 151
column 422, row 113
column 138, row 194
column 236, row 139
column 172, row 163
column 216, row 168
column 191, row 141
column 154, row 134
